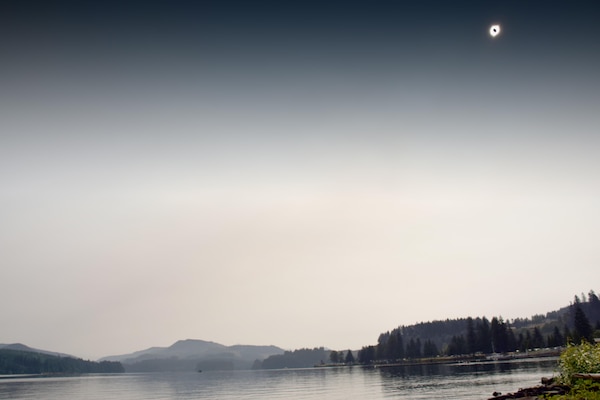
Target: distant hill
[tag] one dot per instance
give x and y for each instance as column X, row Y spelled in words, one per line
column 301, row 358
column 19, row 361
column 191, row 354
column 22, row 347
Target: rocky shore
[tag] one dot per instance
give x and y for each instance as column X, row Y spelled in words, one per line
column 548, row 387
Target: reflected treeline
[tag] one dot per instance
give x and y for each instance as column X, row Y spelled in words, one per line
column 468, row 368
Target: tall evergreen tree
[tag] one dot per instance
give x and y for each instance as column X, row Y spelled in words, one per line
column 366, row 355
column 568, row 335
column 401, row 352
column 558, row 338
column 583, row 328
column 430, row 349
column 349, row 358
column 457, row 346
column 521, row 342
column 391, row 347
column 413, row 348
column 471, row 337
column 528, row 341
column 381, row 352
column 499, row 335
column 334, row 356
column 511, row 341
column 484, row 337
column 538, row 339
column 396, row 345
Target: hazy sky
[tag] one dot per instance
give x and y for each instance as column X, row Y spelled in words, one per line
column 292, row 173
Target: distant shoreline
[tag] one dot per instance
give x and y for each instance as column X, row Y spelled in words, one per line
column 12, row 376
column 458, row 360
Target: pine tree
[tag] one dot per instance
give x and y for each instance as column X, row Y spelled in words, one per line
column 349, row 358
column 457, row 346
column 538, row 339
column 568, row 335
column 471, row 337
column 484, row 338
column 366, row 355
column 559, row 340
column 583, row 328
column 334, row 357
column 391, row 347
column 499, row 335
column 430, row 349
column 400, row 345
column 381, row 352
column 528, row 340
column 413, row 348
column 511, row 341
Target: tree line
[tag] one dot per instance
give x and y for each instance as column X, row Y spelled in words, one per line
column 481, row 336
column 338, row 357
column 25, row 362
column 301, row 358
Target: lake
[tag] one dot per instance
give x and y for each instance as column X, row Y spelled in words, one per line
column 450, row 381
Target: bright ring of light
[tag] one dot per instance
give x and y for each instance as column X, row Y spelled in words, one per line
column 494, row 30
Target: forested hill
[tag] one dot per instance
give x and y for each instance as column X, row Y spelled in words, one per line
column 193, row 355
column 301, row 358
column 27, row 362
column 580, row 320
column 22, row 347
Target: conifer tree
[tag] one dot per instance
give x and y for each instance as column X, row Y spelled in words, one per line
column 334, row 357
column 471, row 337
column 484, row 338
column 559, row 339
column 583, row 328
column 349, row 358
column 430, row 349
column 538, row 339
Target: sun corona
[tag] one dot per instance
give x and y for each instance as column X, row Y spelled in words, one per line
column 494, row 30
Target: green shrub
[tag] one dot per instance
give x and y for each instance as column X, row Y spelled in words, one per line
column 583, row 389
column 579, row 359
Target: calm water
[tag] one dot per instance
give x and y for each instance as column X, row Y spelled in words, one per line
column 427, row 382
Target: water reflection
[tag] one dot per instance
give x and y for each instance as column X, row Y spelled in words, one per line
column 464, row 381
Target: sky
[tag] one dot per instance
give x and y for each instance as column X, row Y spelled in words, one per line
column 296, row 173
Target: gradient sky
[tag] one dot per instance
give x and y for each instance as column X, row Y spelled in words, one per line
column 292, row 173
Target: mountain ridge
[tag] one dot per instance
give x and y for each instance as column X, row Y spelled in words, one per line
column 22, row 347
column 190, row 354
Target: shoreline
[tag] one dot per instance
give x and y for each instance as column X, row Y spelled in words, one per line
column 455, row 360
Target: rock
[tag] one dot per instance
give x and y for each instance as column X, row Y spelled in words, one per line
column 536, row 392
column 548, row 381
